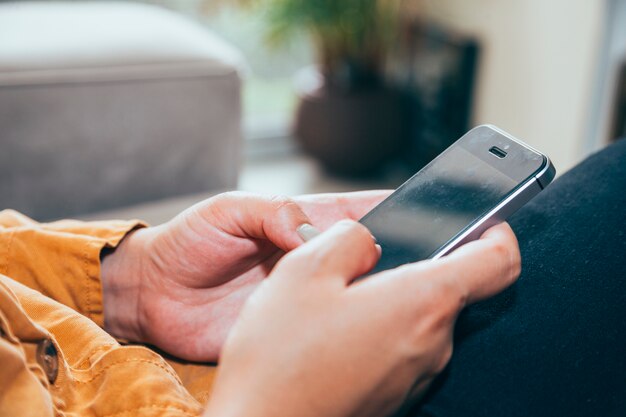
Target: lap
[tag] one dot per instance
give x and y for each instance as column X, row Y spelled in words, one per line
column 197, row 378
column 553, row 344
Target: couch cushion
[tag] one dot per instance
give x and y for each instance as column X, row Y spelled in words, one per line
column 110, row 104
column 69, row 42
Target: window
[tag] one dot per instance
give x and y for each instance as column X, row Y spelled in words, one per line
column 268, row 91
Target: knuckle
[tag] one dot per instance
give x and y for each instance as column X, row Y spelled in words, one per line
column 341, row 200
column 443, row 358
column 354, row 229
column 281, row 201
column 437, row 310
column 285, row 205
column 509, row 258
column 432, row 341
column 447, row 301
column 231, row 195
column 450, row 296
column 516, row 265
column 223, row 202
column 345, row 202
column 358, row 237
column 500, row 250
column 449, row 308
column 435, row 306
column 515, row 262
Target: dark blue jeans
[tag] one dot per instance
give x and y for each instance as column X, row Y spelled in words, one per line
column 555, row 343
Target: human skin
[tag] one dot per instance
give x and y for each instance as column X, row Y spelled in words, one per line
column 180, row 286
column 308, row 341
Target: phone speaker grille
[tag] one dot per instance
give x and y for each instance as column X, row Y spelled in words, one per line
column 494, row 150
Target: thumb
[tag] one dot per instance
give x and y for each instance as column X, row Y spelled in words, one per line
column 347, row 250
column 485, row 267
column 476, row 271
column 250, row 215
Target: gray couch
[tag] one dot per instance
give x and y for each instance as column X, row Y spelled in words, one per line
column 104, row 105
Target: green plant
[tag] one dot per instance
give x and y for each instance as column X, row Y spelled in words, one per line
column 351, row 36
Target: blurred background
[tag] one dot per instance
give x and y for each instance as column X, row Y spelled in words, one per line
column 141, row 108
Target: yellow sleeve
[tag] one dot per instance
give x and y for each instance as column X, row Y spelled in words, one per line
column 60, row 259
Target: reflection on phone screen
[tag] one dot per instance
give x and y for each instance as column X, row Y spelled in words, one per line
column 434, row 206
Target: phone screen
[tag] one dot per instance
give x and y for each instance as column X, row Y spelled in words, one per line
column 438, row 203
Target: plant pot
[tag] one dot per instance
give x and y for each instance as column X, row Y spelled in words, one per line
column 351, row 133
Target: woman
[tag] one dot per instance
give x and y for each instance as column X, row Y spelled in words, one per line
column 306, row 342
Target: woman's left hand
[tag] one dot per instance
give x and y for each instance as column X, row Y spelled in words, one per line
column 180, row 286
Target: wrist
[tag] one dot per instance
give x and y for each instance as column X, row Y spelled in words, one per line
column 121, row 275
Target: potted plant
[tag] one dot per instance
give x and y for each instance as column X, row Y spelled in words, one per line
column 350, row 119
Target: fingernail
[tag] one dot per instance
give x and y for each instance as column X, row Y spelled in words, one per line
column 379, row 249
column 307, row 232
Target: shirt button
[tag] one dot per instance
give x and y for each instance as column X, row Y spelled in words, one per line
column 48, row 359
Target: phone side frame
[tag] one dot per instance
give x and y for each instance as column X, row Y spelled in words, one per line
column 506, row 208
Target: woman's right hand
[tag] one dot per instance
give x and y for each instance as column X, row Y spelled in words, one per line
column 308, row 343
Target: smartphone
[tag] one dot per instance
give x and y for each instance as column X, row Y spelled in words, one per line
column 479, row 181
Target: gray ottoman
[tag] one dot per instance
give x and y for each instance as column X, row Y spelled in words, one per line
column 105, row 105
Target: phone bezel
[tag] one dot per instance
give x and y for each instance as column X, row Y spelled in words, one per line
column 526, row 188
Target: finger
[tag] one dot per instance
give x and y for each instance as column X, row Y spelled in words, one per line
column 487, row 266
column 346, row 250
column 475, row 271
column 253, row 216
column 327, row 209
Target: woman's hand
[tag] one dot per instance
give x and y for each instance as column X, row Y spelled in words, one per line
column 307, row 343
column 180, row 286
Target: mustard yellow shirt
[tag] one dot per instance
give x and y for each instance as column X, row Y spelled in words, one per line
column 55, row 357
